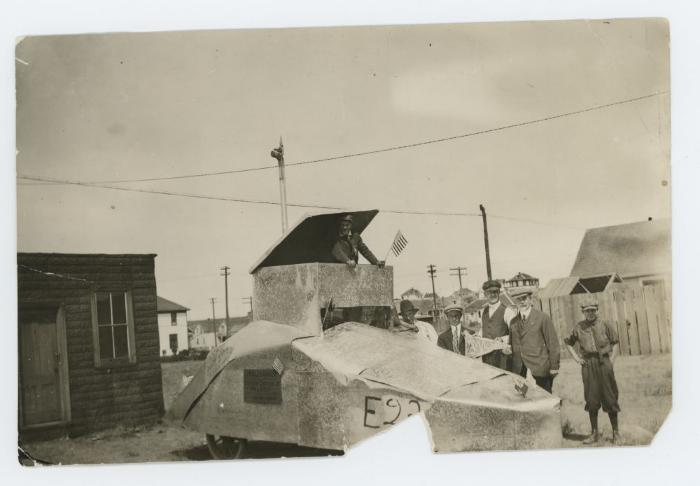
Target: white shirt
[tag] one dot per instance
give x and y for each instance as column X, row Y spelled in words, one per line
column 427, row 331
column 508, row 314
column 525, row 314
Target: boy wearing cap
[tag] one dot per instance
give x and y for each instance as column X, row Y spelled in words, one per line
column 349, row 244
column 597, row 341
column 534, row 342
column 452, row 339
column 495, row 324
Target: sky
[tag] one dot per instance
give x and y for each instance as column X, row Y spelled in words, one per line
column 130, row 106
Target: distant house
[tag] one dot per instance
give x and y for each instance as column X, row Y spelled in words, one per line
column 172, row 327
column 412, row 293
column 88, row 342
column 208, row 333
column 522, row 280
column 638, row 252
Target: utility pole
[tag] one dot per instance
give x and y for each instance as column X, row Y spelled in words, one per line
column 278, row 154
column 486, row 242
column 225, row 269
column 432, row 271
column 459, row 271
column 213, row 313
column 249, row 300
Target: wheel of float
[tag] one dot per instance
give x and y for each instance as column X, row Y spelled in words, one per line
column 221, row 447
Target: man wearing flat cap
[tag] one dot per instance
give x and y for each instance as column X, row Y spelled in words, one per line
column 596, row 341
column 348, row 245
column 452, row 339
column 495, row 324
column 534, row 342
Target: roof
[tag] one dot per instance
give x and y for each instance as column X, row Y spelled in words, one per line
column 631, row 250
column 209, row 325
column 412, row 291
column 578, row 285
column 558, row 286
column 521, row 276
column 311, row 239
column 165, row 305
column 476, row 305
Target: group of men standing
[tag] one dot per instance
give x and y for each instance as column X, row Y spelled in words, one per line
column 526, row 336
column 530, row 346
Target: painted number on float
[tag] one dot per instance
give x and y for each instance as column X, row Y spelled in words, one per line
column 387, row 410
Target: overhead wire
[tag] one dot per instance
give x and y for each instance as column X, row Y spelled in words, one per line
column 276, row 203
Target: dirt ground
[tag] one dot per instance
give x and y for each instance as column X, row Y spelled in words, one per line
column 645, row 398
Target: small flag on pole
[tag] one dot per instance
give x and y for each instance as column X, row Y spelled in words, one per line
column 399, row 243
column 278, row 366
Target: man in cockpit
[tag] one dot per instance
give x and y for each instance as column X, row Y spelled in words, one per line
column 349, row 245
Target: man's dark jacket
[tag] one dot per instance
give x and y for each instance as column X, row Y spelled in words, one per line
column 535, row 344
column 445, row 341
column 347, row 248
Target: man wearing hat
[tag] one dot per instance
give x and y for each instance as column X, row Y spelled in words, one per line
column 495, row 322
column 349, row 244
column 597, row 342
column 409, row 322
column 534, row 342
column 452, row 339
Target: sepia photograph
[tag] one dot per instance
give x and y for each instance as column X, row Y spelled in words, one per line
column 284, row 242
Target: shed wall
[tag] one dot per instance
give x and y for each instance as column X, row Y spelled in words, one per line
column 101, row 397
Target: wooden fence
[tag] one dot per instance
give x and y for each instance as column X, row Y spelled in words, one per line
column 642, row 316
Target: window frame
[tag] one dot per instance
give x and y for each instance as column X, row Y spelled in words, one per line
column 107, row 362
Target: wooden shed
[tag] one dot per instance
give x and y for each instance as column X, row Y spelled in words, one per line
column 88, row 342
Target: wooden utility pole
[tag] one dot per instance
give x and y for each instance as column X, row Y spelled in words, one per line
column 213, row 313
column 278, row 154
column 432, row 271
column 486, row 242
column 459, row 271
column 249, row 300
column 225, row 269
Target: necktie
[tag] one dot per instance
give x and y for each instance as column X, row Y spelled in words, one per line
column 455, row 340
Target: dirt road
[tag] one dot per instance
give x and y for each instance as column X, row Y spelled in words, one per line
column 645, row 399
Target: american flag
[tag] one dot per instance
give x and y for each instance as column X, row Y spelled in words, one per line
column 278, row 366
column 399, row 243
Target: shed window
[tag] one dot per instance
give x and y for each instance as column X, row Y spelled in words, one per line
column 113, row 327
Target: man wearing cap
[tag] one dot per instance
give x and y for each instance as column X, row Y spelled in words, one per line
column 452, row 339
column 597, row 342
column 534, row 342
column 495, row 324
column 409, row 322
column 349, row 244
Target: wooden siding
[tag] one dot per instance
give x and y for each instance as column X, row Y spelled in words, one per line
column 124, row 394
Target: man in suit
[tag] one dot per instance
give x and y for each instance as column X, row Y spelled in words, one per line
column 495, row 322
column 452, row 339
column 348, row 245
column 534, row 342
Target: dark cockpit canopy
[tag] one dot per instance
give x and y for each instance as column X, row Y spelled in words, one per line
column 311, row 239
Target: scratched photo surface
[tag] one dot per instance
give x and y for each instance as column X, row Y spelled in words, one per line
column 281, row 242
